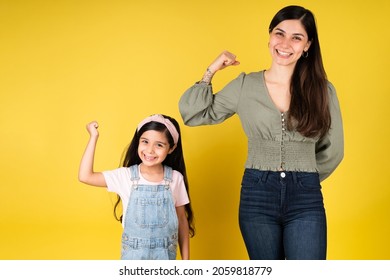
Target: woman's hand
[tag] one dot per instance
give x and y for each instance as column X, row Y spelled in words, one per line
column 224, row 60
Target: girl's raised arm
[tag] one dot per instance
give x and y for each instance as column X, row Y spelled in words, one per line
column 86, row 173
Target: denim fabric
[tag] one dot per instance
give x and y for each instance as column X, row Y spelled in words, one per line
column 151, row 224
column 282, row 215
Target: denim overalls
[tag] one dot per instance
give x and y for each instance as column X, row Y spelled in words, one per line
column 151, row 224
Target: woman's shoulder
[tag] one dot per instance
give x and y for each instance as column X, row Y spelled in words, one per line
column 331, row 90
column 330, row 86
column 251, row 77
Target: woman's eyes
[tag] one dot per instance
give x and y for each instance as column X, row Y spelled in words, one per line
column 295, row 38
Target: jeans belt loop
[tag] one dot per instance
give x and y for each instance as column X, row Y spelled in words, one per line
column 294, row 175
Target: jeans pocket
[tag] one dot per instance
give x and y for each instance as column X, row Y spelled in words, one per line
column 152, row 212
column 309, row 181
column 251, row 178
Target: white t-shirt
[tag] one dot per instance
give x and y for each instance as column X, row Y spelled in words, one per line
column 119, row 181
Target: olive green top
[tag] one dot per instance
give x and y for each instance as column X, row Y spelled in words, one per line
column 271, row 146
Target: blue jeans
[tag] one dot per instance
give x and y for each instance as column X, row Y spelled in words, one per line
column 282, row 215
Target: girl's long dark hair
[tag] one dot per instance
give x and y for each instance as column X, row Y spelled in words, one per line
column 309, row 111
column 175, row 160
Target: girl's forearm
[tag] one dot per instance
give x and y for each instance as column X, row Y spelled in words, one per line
column 184, row 236
column 86, row 171
column 184, row 242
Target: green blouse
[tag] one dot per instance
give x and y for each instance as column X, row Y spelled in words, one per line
column 270, row 145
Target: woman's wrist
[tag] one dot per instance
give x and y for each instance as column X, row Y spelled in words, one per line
column 207, row 76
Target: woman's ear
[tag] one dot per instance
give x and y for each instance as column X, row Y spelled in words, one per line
column 307, row 46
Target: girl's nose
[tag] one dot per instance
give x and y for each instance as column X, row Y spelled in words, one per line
column 150, row 149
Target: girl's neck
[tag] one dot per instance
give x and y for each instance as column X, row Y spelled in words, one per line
column 153, row 173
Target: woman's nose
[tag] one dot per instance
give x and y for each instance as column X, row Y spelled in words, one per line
column 284, row 41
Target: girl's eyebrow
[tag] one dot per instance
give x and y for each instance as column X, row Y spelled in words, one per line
column 295, row 34
column 160, row 142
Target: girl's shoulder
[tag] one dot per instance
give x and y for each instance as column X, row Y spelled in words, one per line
column 177, row 176
column 176, row 173
column 118, row 170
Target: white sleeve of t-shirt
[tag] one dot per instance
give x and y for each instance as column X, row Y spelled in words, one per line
column 178, row 188
column 119, row 182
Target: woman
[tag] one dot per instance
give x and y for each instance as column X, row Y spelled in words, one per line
column 291, row 116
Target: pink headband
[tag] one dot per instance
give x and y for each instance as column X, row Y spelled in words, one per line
column 159, row 118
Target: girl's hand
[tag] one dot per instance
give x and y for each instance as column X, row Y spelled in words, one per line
column 224, row 60
column 92, row 129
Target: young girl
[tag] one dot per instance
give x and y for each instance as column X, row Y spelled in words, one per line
column 153, row 187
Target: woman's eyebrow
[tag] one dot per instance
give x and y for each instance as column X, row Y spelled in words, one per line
column 280, row 30
column 296, row 34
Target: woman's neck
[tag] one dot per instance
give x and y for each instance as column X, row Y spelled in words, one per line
column 277, row 80
column 279, row 74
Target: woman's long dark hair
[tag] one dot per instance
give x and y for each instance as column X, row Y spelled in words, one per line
column 309, row 111
column 175, row 160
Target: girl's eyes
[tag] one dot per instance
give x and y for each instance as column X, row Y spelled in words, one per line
column 297, row 38
column 159, row 145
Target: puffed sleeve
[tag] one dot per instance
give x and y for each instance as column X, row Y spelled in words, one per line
column 199, row 106
column 330, row 149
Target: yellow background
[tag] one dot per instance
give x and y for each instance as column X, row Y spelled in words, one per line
column 65, row 63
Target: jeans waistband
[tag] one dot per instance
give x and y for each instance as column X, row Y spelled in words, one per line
column 283, row 174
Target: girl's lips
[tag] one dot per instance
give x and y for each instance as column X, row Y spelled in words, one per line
column 149, row 158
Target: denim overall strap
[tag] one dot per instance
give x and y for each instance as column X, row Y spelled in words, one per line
column 134, row 172
column 167, row 175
